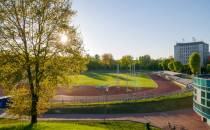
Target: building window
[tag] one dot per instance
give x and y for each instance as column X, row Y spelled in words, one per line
column 202, row 101
column 203, row 94
column 208, row 95
column 208, row 103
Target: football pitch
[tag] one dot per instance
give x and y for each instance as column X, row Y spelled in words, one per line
column 113, row 79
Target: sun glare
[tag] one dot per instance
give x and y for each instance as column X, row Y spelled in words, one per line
column 63, row 38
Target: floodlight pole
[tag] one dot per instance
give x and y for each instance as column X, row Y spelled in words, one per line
column 130, row 69
column 118, row 71
column 106, row 94
column 133, row 71
column 135, row 76
column 127, row 76
column 118, row 68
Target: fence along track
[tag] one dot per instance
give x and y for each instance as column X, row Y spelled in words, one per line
column 109, row 98
column 119, row 97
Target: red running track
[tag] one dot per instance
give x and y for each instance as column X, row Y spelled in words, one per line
column 164, row 86
column 92, row 94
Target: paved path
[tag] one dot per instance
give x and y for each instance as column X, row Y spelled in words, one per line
column 186, row 118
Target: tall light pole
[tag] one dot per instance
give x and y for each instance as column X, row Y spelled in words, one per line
column 130, row 69
column 118, row 71
column 106, row 94
column 135, row 76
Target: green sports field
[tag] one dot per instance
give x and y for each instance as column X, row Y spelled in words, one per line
column 72, row 125
column 112, row 79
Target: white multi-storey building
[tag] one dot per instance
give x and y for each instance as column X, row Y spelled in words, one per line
column 182, row 51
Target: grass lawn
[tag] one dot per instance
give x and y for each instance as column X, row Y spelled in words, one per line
column 159, row 104
column 72, row 125
column 110, row 79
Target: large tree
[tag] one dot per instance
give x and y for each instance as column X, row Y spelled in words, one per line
column 107, row 59
column 177, row 66
column 165, row 64
column 194, row 63
column 126, row 61
column 171, row 66
column 31, row 51
column 186, row 69
column 145, row 61
column 94, row 63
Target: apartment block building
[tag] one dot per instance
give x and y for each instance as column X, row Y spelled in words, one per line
column 182, row 51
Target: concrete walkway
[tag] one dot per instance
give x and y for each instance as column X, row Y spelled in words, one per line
column 186, row 118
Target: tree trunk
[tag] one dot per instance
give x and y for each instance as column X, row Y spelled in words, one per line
column 34, row 108
column 34, row 95
column 34, row 98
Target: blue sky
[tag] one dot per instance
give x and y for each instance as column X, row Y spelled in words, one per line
column 139, row 27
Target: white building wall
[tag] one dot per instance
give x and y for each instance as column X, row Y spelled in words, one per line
column 183, row 51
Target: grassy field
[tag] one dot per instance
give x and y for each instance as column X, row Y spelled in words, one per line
column 159, row 104
column 110, row 79
column 72, row 125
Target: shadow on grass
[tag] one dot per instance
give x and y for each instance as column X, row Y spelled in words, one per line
column 140, row 75
column 18, row 127
column 101, row 76
column 95, row 76
column 23, row 127
column 28, row 127
column 116, row 76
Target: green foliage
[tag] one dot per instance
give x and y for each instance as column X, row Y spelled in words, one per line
column 31, row 52
column 20, row 103
column 97, row 63
column 186, row 69
column 143, row 63
column 194, row 63
column 171, row 66
column 126, row 61
column 75, row 125
column 177, row 66
column 145, row 60
column 94, row 63
column 107, row 59
column 165, row 65
column 147, row 63
column 208, row 68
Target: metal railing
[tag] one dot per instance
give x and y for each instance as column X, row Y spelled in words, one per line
column 109, row 98
column 120, row 97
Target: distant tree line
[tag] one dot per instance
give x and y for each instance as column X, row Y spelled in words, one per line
column 107, row 62
column 176, row 66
